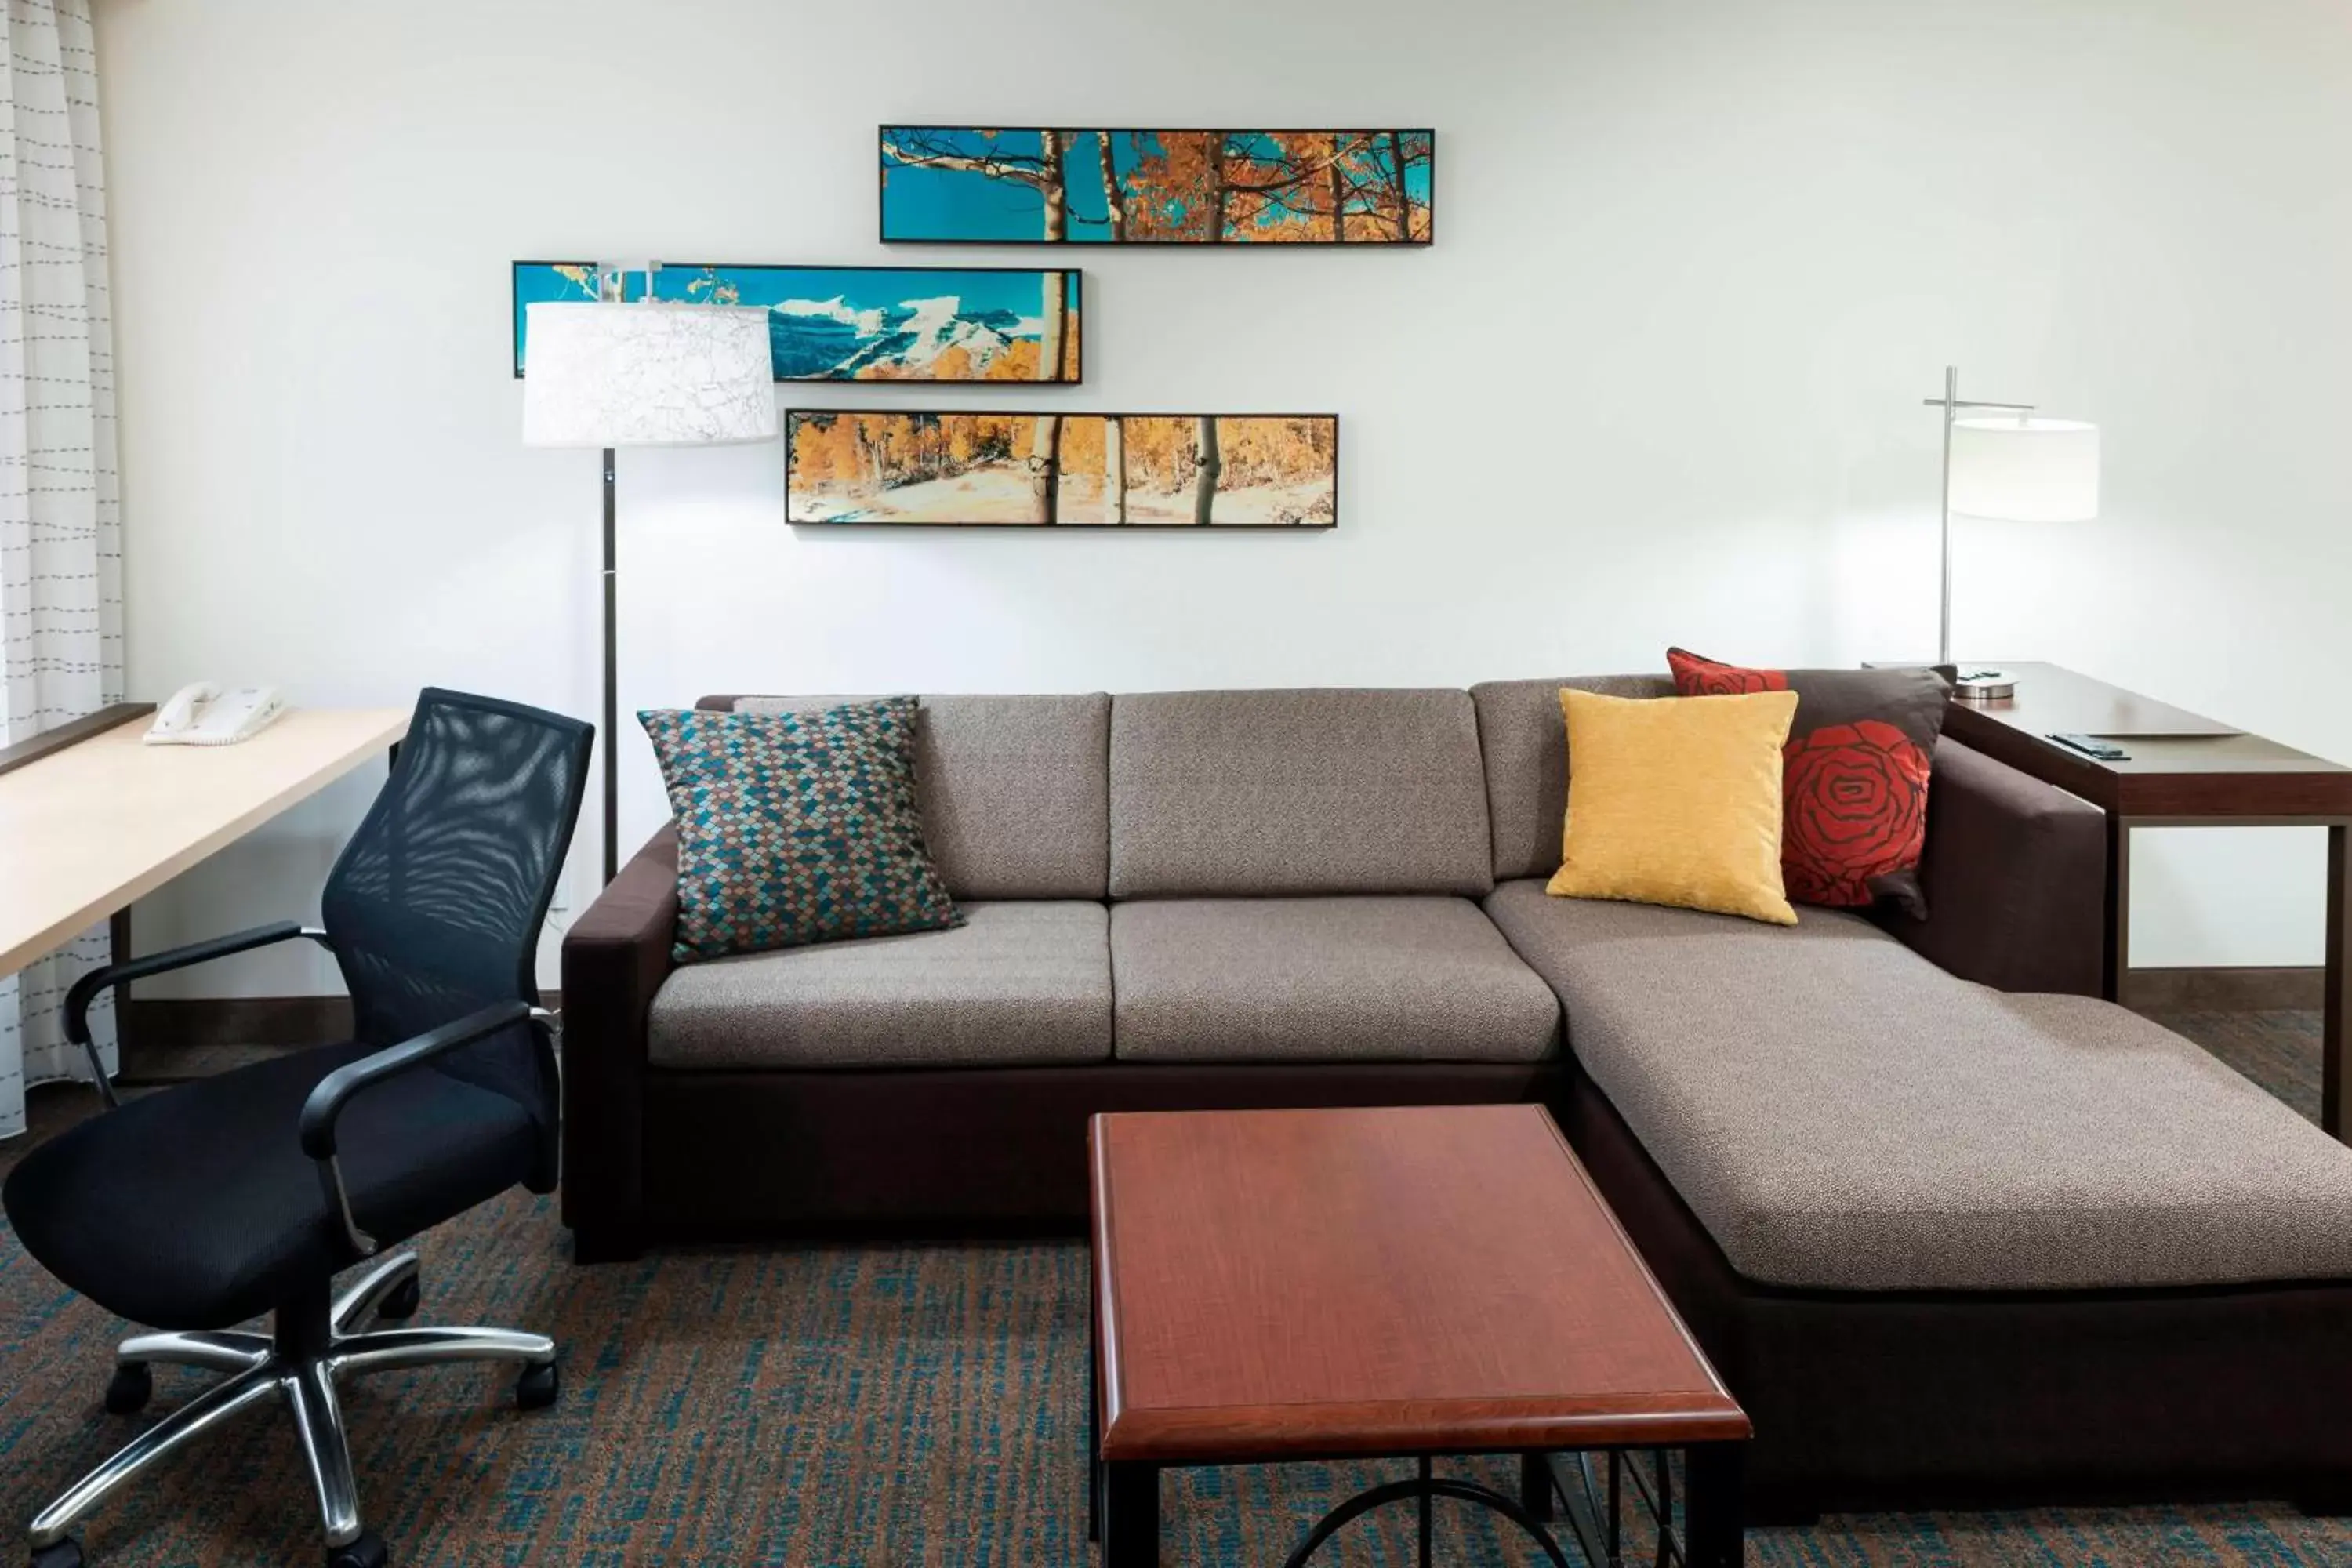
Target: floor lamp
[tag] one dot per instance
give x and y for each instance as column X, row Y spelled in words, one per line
column 644, row 374
column 2001, row 462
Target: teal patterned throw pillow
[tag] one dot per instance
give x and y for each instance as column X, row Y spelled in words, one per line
column 796, row 827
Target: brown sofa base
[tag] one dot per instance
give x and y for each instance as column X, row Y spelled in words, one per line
column 948, row 1152
column 1970, row 1400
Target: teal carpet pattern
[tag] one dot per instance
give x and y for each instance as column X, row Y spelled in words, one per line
column 851, row 1406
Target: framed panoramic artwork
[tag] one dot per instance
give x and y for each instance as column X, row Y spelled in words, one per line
column 1014, row 469
column 866, row 323
column 955, row 186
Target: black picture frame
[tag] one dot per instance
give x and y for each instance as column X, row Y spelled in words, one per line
column 790, row 428
column 1075, row 274
column 882, row 170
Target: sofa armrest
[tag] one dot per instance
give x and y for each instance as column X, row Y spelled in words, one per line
column 615, row 956
column 2016, row 877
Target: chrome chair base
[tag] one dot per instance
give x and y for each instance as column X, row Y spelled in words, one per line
column 301, row 1362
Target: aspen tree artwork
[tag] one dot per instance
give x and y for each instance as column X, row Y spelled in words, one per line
column 1056, row 186
column 1163, row 470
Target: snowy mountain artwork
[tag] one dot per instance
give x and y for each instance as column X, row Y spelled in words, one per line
column 865, row 323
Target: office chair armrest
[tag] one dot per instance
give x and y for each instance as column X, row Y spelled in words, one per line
column 85, row 991
column 325, row 1107
column 327, row 1100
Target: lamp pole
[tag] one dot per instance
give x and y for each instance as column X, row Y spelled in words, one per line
column 611, row 285
column 1951, row 402
column 611, row 736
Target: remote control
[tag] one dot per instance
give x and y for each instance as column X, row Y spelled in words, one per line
column 2092, row 746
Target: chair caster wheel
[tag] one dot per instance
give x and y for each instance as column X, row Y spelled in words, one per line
column 537, row 1387
column 129, row 1389
column 400, row 1303
column 66, row 1553
column 364, row 1550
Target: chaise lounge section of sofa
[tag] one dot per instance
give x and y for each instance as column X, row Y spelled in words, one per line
column 1954, row 1231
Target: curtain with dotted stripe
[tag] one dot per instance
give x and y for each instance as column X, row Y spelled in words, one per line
column 60, row 542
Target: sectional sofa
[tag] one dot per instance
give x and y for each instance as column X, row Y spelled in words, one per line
column 1956, row 1231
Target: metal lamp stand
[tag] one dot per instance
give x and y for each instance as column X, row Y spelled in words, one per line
column 611, row 736
column 610, row 287
column 1975, row 684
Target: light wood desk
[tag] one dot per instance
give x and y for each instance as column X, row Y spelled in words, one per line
column 89, row 829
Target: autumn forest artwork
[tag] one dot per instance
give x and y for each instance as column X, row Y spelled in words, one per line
column 1256, row 470
column 862, row 323
column 1157, row 187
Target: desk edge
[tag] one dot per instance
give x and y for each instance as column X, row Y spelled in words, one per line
column 60, row 931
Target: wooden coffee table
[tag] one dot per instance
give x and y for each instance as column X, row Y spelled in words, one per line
column 1409, row 1282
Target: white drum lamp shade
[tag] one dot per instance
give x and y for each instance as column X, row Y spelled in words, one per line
column 2025, row 470
column 646, row 376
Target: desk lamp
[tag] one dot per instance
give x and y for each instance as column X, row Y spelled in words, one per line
column 2003, row 463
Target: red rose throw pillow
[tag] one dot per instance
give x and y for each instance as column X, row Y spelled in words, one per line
column 1853, row 788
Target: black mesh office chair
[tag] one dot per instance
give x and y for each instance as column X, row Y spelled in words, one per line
column 196, row 1208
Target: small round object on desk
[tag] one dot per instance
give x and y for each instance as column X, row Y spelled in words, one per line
column 1977, row 683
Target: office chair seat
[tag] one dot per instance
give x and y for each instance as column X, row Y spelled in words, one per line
column 195, row 1208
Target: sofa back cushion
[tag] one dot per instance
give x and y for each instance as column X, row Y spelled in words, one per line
column 1013, row 790
column 1240, row 794
column 1525, row 745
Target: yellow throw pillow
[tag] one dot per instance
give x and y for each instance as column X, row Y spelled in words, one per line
column 1676, row 801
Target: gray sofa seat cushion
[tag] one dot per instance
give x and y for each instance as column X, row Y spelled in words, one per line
column 1018, row 983
column 1344, row 979
column 1524, row 741
column 1841, row 1115
column 1242, row 793
column 1015, row 790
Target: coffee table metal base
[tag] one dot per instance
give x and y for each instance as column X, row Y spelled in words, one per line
column 1711, row 1533
column 1123, row 1507
column 1425, row 1489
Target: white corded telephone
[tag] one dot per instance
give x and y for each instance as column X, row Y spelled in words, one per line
column 203, row 715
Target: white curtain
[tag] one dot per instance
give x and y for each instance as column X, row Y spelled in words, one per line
column 60, row 541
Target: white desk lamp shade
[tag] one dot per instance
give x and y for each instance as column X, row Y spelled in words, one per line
column 2025, row 470
column 645, row 375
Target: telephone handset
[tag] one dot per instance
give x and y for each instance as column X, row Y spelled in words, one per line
column 202, row 714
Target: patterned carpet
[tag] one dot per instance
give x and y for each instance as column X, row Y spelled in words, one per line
column 843, row 1407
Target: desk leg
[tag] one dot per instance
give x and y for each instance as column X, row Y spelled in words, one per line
column 118, row 951
column 1713, row 1533
column 1130, row 1528
column 2118, row 933
column 2333, row 1067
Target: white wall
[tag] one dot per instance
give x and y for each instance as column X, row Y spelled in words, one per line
column 1658, row 380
